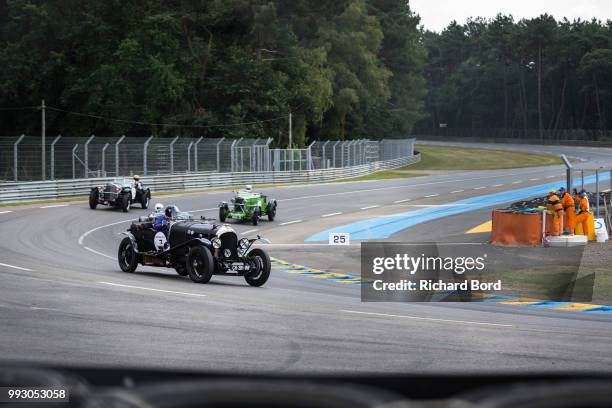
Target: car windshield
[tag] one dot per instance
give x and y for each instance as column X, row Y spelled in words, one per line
column 122, row 181
column 412, row 186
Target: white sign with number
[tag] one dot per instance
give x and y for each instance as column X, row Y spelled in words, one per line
column 339, row 238
column 600, row 227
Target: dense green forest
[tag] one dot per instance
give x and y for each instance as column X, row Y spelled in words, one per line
column 537, row 74
column 344, row 69
column 235, row 68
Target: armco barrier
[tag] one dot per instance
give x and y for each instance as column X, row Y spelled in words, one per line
column 49, row 190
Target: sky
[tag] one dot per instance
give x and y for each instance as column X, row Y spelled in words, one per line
column 437, row 14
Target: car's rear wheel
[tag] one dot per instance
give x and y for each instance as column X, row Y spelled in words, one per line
column 262, row 267
column 222, row 213
column 271, row 212
column 200, row 264
column 255, row 217
column 127, row 256
column 125, row 202
column 93, row 199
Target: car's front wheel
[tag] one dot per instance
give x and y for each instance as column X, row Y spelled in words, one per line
column 200, row 265
column 127, row 256
column 271, row 212
column 255, row 218
column 262, row 263
column 222, row 214
column 125, row 202
column 93, row 199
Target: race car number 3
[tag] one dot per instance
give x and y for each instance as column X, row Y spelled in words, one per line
column 339, row 238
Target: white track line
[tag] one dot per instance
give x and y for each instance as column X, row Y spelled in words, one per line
column 534, row 179
column 98, row 253
column 550, row 176
column 457, row 191
column 330, row 215
column 249, row 231
column 402, row 201
column 497, row 185
column 480, row 188
column 54, row 206
column 153, row 289
column 369, row 207
column 5, row 212
column 518, row 181
column 431, row 319
column 431, row 195
column 16, row 267
column 290, row 222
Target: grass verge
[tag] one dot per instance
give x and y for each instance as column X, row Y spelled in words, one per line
column 467, row 158
column 383, row 175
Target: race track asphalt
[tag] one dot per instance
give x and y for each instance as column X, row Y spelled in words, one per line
column 63, row 299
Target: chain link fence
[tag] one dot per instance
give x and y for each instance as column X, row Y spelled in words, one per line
column 93, row 156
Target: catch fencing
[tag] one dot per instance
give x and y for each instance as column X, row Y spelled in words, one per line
column 95, row 157
column 53, row 189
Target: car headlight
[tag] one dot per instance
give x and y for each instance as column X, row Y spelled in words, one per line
column 244, row 243
column 216, row 242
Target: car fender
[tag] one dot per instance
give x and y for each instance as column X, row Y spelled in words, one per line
column 223, row 204
column 132, row 238
column 205, row 242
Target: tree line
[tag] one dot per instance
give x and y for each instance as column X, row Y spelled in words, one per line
column 218, row 68
column 538, row 74
column 344, row 69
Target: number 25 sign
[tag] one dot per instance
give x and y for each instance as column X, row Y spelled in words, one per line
column 339, row 238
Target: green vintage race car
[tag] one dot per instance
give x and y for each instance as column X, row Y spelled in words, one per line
column 248, row 205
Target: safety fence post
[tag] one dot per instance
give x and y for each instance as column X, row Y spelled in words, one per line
column 324, row 156
column 117, row 155
column 334, row 153
column 104, row 159
column 52, row 153
column 144, row 155
column 15, row 158
column 309, row 156
column 172, row 154
column 74, row 149
column 189, row 156
column 86, row 146
column 195, row 151
column 597, row 191
column 218, row 155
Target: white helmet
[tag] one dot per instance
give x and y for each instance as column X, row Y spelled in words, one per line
column 248, row 187
column 159, row 207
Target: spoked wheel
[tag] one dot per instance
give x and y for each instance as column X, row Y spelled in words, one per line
column 145, row 201
column 127, row 256
column 125, row 203
column 255, row 218
column 200, row 264
column 262, row 267
column 93, row 199
column 271, row 212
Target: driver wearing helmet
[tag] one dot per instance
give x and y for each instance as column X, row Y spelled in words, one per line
column 162, row 222
column 248, row 188
column 137, row 184
column 159, row 208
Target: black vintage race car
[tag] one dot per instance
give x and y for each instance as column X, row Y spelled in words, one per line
column 198, row 248
column 120, row 193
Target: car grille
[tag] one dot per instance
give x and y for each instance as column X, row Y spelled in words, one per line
column 238, row 204
column 229, row 241
column 109, row 194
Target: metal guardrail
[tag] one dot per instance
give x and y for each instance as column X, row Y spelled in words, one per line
column 15, row 192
